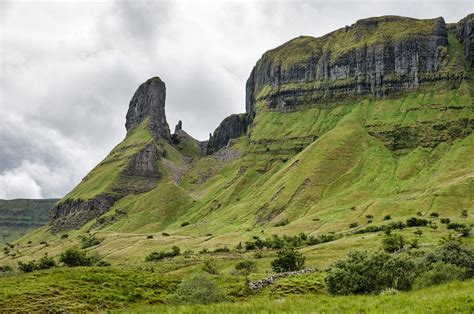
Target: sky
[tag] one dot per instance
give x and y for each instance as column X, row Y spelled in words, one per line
column 68, row 70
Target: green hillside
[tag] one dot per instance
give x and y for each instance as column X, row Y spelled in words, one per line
column 330, row 162
column 21, row 216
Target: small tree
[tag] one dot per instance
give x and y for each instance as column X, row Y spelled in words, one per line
column 288, row 260
column 393, row 243
column 46, row 262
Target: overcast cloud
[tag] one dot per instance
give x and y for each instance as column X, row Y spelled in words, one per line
column 69, row 69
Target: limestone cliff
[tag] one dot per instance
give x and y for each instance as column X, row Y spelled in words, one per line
column 375, row 56
column 231, row 127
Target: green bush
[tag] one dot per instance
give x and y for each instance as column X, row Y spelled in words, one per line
column 89, row 241
column 392, row 243
column 27, row 267
column 5, row 269
column 462, row 229
column 387, row 217
column 445, row 220
column 184, row 224
column 198, row 289
column 416, row 222
column 155, row 256
column 46, row 262
column 245, row 267
column 439, row 273
column 362, row 273
column 73, row 257
column 210, row 267
column 353, row 225
column 288, row 260
column 454, row 253
column 282, row 223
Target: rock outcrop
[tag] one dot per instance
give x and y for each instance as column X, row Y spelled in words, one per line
column 138, row 172
column 465, row 33
column 375, row 56
column 149, row 102
column 231, row 127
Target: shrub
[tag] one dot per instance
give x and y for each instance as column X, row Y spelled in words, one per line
column 393, row 243
column 245, row 267
column 73, row 257
column 461, row 228
column 198, row 289
column 418, row 232
column 165, row 234
column 454, row 253
column 184, row 224
column 155, row 256
column 210, row 267
column 46, row 262
column 288, row 260
column 445, row 221
column 27, row 267
column 64, row 236
column 439, row 273
column 369, row 216
column 42, row 243
column 434, row 215
column 224, row 249
column 149, row 237
column 464, row 213
column 416, row 222
column 5, row 269
column 387, row 217
column 353, row 225
column 89, row 241
column 361, row 273
column 282, row 223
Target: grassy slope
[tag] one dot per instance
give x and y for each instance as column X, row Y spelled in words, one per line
column 21, row 216
column 454, row 297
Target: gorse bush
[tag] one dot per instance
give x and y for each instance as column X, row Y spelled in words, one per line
column 245, row 267
column 73, row 257
column 417, row 222
column 362, row 273
column 44, row 263
column 89, row 241
column 198, row 289
column 277, row 242
column 156, row 256
column 392, row 243
column 438, row 273
column 288, row 260
column 210, row 267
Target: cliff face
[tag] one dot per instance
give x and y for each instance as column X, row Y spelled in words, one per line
column 465, row 33
column 231, row 127
column 375, row 56
column 149, row 102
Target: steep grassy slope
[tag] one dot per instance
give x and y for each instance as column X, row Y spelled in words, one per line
column 18, row 217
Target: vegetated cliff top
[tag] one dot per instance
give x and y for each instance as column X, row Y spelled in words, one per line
column 365, row 32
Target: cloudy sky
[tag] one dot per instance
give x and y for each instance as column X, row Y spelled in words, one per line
column 69, row 69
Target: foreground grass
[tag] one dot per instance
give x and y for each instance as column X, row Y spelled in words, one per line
column 81, row 289
column 456, row 297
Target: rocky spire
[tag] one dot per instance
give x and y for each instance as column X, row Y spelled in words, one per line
column 178, row 127
column 149, row 102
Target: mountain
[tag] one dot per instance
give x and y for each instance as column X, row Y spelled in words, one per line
column 345, row 139
column 20, row 216
column 373, row 119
